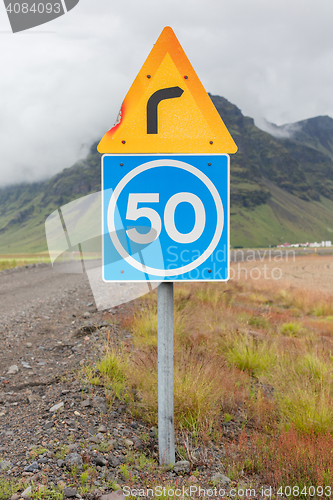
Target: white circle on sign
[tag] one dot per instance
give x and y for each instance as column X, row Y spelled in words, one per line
column 169, row 217
column 112, row 207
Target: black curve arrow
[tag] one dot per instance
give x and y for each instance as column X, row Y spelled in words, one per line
column 153, row 102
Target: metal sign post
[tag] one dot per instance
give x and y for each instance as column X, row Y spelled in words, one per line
column 166, row 430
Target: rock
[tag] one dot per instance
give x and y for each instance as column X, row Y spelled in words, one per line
column 42, row 460
column 73, row 447
column 32, row 398
column 193, row 479
column 113, row 443
column 182, row 466
column 102, row 428
column 113, row 461
column 73, row 459
column 120, row 444
column 32, row 467
column 94, row 495
column 101, row 404
column 5, row 465
column 219, row 478
column 97, row 494
column 12, row 370
column 128, row 442
column 86, row 403
column 153, row 432
column 69, row 492
column 137, row 443
column 48, row 425
column 86, row 314
column 99, row 460
column 135, row 425
column 95, row 439
column 115, row 495
column 56, row 407
column 16, row 496
column 60, row 463
column 29, row 345
column 27, row 493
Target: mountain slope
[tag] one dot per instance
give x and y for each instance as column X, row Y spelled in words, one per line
column 316, row 133
column 281, row 188
column 24, row 207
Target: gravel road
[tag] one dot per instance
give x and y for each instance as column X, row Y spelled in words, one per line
column 51, row 419
column 40, row 311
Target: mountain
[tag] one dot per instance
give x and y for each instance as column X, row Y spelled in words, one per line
column 281, row 186
column 24, row 207
column 316, row 133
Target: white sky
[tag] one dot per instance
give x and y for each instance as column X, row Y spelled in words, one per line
column 62, row 84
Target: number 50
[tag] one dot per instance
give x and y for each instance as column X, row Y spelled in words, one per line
column 134, row 213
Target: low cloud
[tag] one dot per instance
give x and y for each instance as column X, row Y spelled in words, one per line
column 62, row 84
column 287, row 131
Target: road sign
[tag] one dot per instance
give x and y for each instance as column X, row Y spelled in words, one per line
column 165, row 217
column 167, row 110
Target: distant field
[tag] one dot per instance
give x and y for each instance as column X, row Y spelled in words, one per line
column 313, row 272
column 9, row 261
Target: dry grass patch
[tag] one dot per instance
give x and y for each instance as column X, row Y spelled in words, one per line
column 288, row 459
column 245, row 348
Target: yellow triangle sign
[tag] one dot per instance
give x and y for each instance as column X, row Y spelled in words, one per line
column 167, row 109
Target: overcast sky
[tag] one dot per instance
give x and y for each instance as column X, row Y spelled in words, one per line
column 62, row 84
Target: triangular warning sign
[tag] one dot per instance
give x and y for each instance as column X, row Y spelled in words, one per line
column 167, row 110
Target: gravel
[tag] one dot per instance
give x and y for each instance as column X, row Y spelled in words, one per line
column 48, row 430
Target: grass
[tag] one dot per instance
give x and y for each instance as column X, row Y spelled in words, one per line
column 291, row 329
column 8, row 487
column 248, row 355
column 289, row 459
column 36, row 452
column 251, row 356
column 10, row 262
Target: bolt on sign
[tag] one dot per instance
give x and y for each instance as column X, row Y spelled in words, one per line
column 165, row 177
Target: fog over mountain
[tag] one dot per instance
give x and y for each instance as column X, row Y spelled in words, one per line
column 281, row 187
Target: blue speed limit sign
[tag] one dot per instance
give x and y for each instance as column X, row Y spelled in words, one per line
column 165, row 217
